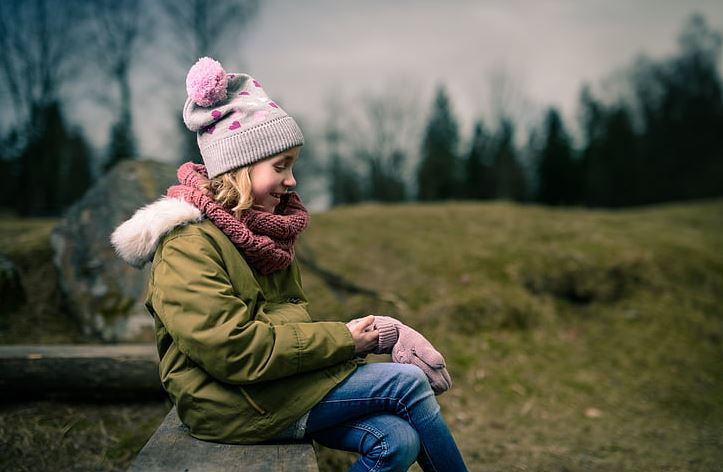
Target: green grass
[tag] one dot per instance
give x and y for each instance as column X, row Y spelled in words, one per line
column 26, row 241
column 47, row 435
column 577, row 339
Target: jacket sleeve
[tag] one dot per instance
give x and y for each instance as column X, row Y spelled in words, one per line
column 195, row 300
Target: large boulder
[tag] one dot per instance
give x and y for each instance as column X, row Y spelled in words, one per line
column 104, row 292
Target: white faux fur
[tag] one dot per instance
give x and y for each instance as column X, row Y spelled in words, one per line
column 136, row 239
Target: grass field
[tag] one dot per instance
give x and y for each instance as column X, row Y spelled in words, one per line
column 577, row 339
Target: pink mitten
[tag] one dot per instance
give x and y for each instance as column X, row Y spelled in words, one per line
column 413, row 348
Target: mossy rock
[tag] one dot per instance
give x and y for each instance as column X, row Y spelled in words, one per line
column 105, row 293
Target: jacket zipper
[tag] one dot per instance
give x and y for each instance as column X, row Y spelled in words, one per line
column 253, row 403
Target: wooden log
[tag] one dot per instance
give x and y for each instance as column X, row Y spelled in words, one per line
column 96, row 370
column 172, row 448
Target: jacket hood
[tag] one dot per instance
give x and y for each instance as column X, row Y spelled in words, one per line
column 135, row 240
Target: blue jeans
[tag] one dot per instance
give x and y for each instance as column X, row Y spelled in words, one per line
column 388, row 413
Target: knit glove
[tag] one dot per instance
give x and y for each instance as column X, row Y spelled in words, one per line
column 410, row 347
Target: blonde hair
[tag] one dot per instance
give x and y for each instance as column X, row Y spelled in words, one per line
column 232, row 190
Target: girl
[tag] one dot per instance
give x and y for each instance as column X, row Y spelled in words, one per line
column 239, row 355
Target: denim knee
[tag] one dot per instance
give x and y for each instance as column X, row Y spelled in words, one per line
column 404, row 445
column 417, row 402
column 394, row 447
column 412, row 378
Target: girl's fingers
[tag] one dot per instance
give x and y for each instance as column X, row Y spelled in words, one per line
column 372, row 339
column 366, row 322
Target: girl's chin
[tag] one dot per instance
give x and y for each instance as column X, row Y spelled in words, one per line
column 266, row 208
column 273, row 202
column 269, row 205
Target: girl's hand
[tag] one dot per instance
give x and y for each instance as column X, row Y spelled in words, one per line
column 365, row 338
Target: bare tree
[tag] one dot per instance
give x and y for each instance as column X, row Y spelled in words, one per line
column 48, row 163
column 202, row 28
column 40, row 41
column 384, row 135
column 508, row 99
column 116, row 28
column 344, row 184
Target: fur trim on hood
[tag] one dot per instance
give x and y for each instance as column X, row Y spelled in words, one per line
column 136, row 240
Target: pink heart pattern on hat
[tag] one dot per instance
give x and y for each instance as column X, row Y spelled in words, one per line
column 234, row 125
column 216, row 114
column 257, row 84
column 272, row 104
column 244, row 93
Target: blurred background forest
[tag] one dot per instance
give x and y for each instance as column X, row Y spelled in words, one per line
column 651, row 134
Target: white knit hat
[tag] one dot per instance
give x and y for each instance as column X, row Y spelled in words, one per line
column 236, row 122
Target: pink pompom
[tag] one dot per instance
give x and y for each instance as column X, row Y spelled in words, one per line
column 206, row 82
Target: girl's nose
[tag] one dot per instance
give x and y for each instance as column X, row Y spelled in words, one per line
column 290, row 181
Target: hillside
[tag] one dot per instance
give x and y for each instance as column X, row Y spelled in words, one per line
column 577, row 339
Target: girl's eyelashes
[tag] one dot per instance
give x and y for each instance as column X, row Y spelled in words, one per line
column 280, row 167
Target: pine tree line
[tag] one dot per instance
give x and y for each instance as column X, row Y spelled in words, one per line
column 660, row 142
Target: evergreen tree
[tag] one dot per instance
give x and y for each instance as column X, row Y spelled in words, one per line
column 54, row 168
column 437, row 176
column 680, row 106
column 508, row 179
column 557, row 171
column 75, row 173
column 612, row 169
column 477, row 179
column 385, row 180
column 344, row 183
column 9, row 167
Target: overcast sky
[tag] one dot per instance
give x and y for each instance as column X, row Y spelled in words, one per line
column 304, row 52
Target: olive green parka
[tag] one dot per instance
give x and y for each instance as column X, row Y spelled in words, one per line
column 239, row 354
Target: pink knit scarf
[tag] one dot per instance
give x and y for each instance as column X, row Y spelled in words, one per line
column 265, row 239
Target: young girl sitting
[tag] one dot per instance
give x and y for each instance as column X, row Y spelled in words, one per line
column 240, row 356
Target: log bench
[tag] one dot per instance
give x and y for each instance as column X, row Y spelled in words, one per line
column 79, row 371
column 172, row 448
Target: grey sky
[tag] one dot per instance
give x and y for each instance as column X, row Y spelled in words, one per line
column 305, row 51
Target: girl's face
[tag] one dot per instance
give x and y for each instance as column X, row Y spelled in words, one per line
column 273, row 176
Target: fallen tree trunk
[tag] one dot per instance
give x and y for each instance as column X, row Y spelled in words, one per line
column 84, row 370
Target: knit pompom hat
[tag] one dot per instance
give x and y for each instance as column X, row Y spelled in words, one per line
column 235, row 121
